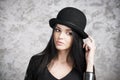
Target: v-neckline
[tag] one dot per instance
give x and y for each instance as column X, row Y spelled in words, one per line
column 60, row 78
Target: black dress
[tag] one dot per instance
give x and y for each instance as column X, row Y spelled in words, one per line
column 31, row 73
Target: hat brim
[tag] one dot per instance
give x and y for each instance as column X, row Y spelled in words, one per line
column 54, row 21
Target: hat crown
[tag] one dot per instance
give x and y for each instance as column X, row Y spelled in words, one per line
column 73, row 16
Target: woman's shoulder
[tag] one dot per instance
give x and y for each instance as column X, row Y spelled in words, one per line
column 35, row 60
column 36, row 57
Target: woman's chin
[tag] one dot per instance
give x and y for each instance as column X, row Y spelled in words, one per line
column 60, row 48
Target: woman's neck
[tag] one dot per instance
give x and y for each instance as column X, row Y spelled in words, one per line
column 63, row 56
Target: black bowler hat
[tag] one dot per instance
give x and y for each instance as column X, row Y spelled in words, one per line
column 73, row 18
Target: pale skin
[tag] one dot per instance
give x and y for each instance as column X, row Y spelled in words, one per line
column 61, row 65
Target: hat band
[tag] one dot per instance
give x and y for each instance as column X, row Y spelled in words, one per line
column 70, row 24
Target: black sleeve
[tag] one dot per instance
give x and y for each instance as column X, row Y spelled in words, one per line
column 30, row 70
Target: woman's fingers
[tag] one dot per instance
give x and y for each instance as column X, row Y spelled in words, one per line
column 89, row 44
column 83, row 45
column 90, row 38
column 87, row 48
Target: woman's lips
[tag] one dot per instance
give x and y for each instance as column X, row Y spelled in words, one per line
column 59, row 43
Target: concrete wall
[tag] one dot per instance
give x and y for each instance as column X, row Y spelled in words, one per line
column 24, row 31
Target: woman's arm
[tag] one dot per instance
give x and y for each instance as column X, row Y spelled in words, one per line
column 89, row 46
column 29, row 71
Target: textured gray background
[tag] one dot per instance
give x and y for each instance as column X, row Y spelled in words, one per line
column 24, row 31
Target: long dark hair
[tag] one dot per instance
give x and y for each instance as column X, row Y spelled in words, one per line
column 77, row 53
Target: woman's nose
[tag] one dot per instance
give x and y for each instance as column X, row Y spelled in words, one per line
column 62, row 35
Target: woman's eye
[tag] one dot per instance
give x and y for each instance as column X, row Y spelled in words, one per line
column 57, row 30
column 69, row 33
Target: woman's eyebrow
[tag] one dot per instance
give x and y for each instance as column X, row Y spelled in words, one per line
column 68, row 30
column 65, row 29
column 58, row 27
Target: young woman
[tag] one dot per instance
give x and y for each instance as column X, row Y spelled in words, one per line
column 66, row 56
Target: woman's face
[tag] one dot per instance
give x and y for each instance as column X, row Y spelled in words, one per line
column 62, row 37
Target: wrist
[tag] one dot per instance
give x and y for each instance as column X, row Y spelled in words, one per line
column 89, row 68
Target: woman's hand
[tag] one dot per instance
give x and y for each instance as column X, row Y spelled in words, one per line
column 89, row 46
